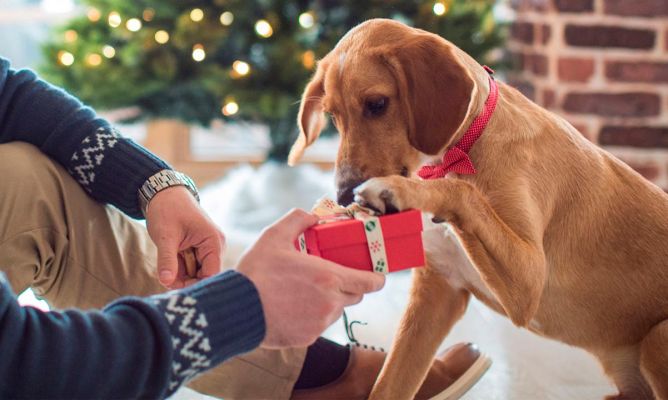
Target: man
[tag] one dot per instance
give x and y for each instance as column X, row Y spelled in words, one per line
column 57, row 237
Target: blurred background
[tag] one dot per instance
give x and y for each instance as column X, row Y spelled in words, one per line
column 213, row 87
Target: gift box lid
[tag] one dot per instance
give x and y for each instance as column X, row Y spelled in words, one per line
column 349, row 232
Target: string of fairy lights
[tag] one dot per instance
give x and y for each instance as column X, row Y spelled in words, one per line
column 239, row 68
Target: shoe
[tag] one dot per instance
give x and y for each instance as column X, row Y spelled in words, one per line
column 453, row 372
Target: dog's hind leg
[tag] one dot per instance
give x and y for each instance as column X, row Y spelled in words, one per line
column 654, row 359
column 433, row 309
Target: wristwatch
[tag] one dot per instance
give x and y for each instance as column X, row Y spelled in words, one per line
column 162, row 180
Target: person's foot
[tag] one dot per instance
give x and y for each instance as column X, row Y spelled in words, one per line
column 453, row 372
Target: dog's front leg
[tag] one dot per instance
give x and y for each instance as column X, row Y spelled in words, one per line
column 433, row 308
column 507, row 254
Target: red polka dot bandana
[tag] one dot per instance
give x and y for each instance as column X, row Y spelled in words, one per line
column 456, row 158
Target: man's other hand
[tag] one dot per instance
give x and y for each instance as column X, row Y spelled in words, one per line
column 176, row 223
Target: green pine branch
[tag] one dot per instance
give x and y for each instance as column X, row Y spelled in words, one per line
column 163, row 79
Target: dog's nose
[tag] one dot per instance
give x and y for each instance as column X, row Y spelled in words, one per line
column 344, row 194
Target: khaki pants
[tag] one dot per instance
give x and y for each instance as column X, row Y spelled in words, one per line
column 75, row 252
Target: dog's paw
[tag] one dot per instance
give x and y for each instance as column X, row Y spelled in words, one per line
column 385, row 195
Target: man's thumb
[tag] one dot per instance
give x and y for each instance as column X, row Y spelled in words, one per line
column 168, row 264
column 295, row 222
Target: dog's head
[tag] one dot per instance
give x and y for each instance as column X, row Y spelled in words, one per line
column 397, row 95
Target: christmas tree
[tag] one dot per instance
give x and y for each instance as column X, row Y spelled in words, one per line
column 200, row 60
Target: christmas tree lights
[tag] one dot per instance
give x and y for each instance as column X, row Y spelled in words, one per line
column 201, row 60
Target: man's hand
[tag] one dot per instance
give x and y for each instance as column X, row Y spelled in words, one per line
column 176, row 222
column 301, row 294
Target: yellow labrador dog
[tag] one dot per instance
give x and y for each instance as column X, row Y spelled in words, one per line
column 562, row 237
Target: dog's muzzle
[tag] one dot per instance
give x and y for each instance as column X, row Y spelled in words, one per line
column 344, row 193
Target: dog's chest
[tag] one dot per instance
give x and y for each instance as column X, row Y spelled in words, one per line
column 445, row 253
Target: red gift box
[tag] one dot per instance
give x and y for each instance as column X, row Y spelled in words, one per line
column 345, row 242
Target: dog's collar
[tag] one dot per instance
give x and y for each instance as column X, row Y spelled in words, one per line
column 456, row 158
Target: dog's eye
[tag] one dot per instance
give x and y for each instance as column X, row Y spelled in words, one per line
column 375, row 106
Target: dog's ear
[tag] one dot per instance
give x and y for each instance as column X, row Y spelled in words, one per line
column 434, row 87
column 311, row 119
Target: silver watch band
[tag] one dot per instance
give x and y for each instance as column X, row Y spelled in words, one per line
column 162, row 180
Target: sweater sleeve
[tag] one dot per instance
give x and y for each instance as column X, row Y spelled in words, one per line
column 109, row 167
column 134, row 348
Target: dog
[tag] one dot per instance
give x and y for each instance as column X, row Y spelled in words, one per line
column 562, row 238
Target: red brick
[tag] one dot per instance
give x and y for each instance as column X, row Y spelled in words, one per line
column 640, row 8
column 584, row 130
column 609, row 36
column 649, row 170
column 525, row 87
column 549, row 98
column 536, row 63
column 636, row 71
column 522, row 32
column 575, row 69
column 630, row 104
column 528, row 5
column 636, row 136
column 541, row 5
column 574, row 5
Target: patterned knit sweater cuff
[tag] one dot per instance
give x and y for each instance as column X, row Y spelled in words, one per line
column 112, row 168
column 109, row 167
column 210, row 322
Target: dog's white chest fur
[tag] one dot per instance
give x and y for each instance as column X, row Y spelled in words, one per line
column 447, row 255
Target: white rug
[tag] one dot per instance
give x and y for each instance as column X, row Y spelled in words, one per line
column 525, row 366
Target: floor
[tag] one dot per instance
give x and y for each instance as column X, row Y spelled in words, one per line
column 524, row 367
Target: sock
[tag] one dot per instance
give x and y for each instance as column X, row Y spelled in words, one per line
column 324, row 363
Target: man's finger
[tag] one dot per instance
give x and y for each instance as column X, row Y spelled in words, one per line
column 177, row 284
column 167, row 262
column 354, row 281
column 352, row 299
column 190, row 262
column 209, row 260
column 294, row 223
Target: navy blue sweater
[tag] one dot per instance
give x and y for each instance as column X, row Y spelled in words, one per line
column 135, row 347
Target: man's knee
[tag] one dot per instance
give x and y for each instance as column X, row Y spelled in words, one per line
column 21, row 164
column 28, row 222
column 31, row 189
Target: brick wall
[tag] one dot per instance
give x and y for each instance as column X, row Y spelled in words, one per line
column 603, row 65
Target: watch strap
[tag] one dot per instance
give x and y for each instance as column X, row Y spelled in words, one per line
column 163, row 180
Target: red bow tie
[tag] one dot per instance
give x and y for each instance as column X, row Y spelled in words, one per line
column 456, row 159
